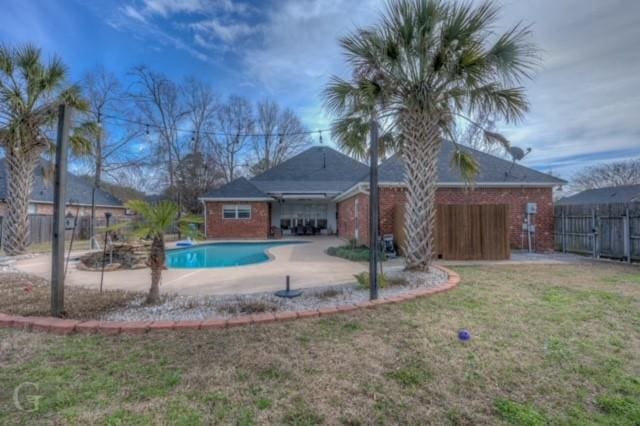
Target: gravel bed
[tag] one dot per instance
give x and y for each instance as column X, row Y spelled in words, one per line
column 177, row 307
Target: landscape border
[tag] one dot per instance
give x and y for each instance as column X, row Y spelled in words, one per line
column 70, row 326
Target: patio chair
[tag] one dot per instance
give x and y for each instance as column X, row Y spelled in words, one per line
column 389, row 245
column 309, row 230
column 276, row 232
column 299, row 230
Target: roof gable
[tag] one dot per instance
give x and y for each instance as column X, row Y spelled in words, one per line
column 316, row 164
column 78, row 189
column 239, row 188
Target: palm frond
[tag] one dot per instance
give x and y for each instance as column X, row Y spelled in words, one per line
column 496, row 138
column 466, row 164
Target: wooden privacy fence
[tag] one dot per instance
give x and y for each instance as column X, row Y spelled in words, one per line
column 41, row 228
column 466, row 231
column 599, row 230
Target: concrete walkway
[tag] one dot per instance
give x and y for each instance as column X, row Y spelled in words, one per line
column 307, row 264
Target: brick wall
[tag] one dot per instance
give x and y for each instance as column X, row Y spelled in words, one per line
column 255, row 227
column 516, row 198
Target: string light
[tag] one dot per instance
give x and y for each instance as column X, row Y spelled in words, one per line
column 148, row 125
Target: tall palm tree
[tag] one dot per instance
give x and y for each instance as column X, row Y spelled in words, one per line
column 30, row 93
column 422, row 67
column 153, row 222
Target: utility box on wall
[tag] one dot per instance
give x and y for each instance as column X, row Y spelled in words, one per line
column 532, row 208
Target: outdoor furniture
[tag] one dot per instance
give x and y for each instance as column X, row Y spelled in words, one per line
column 389, row 245
column 276, row 232
column 299, row 230
column 309, row 230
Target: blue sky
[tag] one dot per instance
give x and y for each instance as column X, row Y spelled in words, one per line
column 585, row 98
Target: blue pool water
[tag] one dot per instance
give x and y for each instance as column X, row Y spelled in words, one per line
column 220, row 255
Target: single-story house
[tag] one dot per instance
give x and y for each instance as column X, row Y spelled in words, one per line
column 78, row 193
column 607, row 195
column 324, row 191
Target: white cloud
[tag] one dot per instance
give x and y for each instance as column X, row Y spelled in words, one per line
column 227, row 32
column 166, row 8
column 129, row 11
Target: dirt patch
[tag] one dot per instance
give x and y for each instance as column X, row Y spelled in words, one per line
column 29, row 295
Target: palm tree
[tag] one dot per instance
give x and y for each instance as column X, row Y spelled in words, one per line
column 153, row 222
column 424, row 66
column 30, row 93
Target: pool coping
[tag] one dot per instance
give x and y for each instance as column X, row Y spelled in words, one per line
column 68, row 326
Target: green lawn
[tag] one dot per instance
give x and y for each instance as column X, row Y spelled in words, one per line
column 551, row 344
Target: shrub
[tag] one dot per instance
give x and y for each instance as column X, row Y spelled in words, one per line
column 364, row 282
column 353, row 252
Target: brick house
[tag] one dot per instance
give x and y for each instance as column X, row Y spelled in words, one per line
column 78, row 193
column 321, row 191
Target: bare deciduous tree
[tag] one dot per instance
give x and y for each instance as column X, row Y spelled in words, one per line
column 197, row 174
column 110, row 140
column 281, row 135
column 160, row 102
column 235, row 122
column 616, row 173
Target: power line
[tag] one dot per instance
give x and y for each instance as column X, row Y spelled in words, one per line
column 148, row 125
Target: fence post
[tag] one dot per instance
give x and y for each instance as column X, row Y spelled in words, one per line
column 594, row 233
column 626, row 235
column 563, row 225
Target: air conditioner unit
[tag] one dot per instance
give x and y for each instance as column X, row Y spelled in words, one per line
column 532, row 208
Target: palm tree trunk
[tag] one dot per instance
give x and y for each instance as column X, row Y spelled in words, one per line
column 421, row 146
column 19, row 171
column 156, row 262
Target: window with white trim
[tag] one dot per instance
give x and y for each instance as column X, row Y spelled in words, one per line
column 236, row 211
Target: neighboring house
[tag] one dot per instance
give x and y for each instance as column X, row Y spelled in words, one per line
column 78, row 194
column 328, row 191
column 607, row 195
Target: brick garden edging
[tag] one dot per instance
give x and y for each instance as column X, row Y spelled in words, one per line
column 68, row 326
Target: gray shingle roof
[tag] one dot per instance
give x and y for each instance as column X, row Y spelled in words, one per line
column 323, row 169
column 238, row 188
column 610, row 194
column 492, row 170
column 319, row 168
column 78, row 189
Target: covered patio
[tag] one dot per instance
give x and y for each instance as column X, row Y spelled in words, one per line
column 297, row 215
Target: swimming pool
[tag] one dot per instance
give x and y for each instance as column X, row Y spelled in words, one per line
column 221, row 255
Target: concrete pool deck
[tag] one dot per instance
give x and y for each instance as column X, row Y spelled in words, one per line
column 307, row 264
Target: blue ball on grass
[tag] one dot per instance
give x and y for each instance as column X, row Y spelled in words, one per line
column 464, row 335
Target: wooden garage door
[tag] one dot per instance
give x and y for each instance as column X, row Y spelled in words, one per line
column 472, row 232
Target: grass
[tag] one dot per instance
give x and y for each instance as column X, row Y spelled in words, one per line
column 551, row 345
